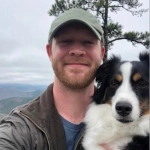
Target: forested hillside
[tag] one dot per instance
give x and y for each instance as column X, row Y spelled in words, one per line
column 13, row 95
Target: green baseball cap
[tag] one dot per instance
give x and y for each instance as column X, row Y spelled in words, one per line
column 76, row 15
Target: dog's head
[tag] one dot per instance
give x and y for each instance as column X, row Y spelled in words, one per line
column 125, row 86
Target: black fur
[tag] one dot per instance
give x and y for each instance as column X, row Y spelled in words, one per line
column 138, row 143
column 103, row 73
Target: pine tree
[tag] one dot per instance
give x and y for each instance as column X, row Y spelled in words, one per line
column 102, row 9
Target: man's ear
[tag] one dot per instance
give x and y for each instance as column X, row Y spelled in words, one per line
column 49, row 52
column 102, row 52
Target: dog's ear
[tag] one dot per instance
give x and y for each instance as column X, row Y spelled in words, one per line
column 144, row 57
column 100, row 92
column 105, row 69
column 102, row 77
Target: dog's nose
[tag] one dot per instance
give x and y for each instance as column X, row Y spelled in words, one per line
column 123, row 108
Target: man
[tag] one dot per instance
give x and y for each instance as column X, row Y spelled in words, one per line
column 54, row 120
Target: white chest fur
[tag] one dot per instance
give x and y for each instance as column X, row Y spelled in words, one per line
column 103, row 128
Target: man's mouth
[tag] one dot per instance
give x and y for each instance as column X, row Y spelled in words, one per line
column 74, row 64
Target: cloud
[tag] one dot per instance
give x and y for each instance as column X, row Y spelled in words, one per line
column 24, row 31
column 126, row 50
column 24, row 28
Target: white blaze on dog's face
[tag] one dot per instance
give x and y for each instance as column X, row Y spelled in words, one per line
column 125, row 98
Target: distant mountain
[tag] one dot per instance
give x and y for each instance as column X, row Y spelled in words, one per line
column 19, row 90
column 7, row 105
column 13, row 95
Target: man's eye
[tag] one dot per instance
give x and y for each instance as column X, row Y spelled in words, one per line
column 88, row 42
column 66, row 41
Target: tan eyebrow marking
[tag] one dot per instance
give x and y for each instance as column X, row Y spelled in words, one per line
column 136, row 77
column 119, row 77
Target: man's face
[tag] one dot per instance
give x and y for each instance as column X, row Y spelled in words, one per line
column 75, row 53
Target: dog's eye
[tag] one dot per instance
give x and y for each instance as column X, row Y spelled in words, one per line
column 113, row 84
column 142, row 84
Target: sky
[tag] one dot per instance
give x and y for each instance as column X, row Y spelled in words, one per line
column 24, row 28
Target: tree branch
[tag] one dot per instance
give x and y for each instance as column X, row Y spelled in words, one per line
column 124, row 38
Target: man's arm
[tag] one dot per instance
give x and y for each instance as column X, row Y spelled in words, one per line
column 14, row 134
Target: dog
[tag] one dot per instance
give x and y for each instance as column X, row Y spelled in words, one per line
column 119, row 115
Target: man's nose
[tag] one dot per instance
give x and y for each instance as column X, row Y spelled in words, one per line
column 77, row 50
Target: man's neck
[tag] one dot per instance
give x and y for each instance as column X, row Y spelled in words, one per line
column 72, row 104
